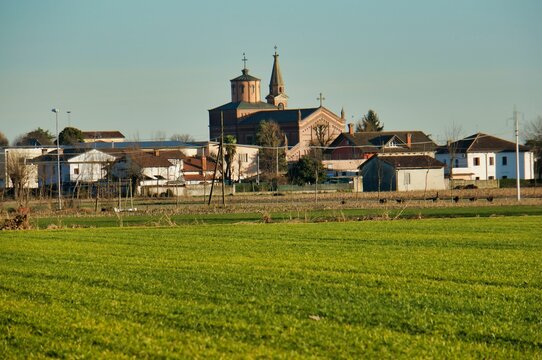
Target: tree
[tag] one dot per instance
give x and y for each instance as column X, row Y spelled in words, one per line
column 19, row 174
column 35, row 137
column 369, row 122
column 305, row 171
column 3, row 139
column 272, row 155
column 70, row 136
column 229, row 154
column 182, row 138
column 534, row 141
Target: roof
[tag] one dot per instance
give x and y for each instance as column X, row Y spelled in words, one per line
column 103, row 135
column 245, row 77
column 374, row 141
column 481, row 142
column 278, row 116
column 240, row 105
column 276, row 75
column 193, row 164
column 146, row 160
column 408, row 161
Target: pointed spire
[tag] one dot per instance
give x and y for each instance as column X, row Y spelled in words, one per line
column 277, row 94
column 276, row 85
column 342, row 113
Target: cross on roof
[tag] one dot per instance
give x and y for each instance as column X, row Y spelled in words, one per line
column 321, row 98
column 276, row 49
column 244, row 61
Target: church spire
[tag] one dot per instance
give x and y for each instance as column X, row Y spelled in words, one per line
column 277, row 95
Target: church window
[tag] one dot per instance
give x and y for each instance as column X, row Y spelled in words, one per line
column 281, row 106
column 242, row 89
column 280, row 89
column 252, row 88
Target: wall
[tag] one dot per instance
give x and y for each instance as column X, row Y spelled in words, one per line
column 415, row 179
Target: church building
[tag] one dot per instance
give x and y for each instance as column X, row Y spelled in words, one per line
column 302, row 127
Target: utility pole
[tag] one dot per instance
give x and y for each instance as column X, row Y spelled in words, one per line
column 222, row 158
column 516, row 122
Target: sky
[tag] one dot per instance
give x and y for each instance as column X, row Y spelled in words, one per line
column 153, row 68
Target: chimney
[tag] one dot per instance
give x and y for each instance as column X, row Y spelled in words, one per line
column 156, row 152
column 409, row 140
column 351, row 128
column 204, row 163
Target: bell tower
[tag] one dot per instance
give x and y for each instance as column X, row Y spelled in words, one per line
column 277, row 95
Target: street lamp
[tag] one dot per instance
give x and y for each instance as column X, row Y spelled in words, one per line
column 56, row 111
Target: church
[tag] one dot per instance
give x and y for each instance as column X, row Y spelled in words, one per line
column 302, row 127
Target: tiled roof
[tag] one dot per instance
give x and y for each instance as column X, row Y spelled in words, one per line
column 412, row 162
column 278, row 116
column 374, row 141
column 193, row 164
column 245, row 77
column 481, row 142
column 144, row 159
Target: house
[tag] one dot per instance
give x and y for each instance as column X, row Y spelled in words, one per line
column 77, row 166
column 242, row 116
column 16, row 164
column 103, row 136
column 402, row 173
column 149, row 169
column 198, row 170
column 485, row 157
column 351, row 149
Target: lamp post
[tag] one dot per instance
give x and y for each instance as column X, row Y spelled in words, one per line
column 56, row 111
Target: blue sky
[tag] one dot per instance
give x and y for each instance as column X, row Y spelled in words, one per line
column 149, row 68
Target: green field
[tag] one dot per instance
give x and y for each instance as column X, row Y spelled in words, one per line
column 431, row 288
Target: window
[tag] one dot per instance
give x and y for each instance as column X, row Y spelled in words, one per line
column 477, row 178
column 76, row 171
column 243, row 157
column 252, row 88
column 491, row 160
column 242, row 89
column 476, row 161
column 456, row 163
column 491, row 177
column 504, row 160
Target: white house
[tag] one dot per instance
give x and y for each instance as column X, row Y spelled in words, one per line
column 402, row 173
column 76, row 166
column 485, row 157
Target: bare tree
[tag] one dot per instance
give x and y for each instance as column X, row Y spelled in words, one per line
column 19, row 174
column 182, row 138
column 452, row 134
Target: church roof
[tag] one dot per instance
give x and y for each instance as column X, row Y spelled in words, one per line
column 276, row 75
column 245, row 77
column 245, row 105
column 278, row 116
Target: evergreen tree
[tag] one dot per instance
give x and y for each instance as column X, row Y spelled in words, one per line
column 369, row 122
column 70, row 136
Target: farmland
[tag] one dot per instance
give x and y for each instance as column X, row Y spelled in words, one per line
column 447, row 288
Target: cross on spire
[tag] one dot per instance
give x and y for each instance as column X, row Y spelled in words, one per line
column 321, row 98
column 244, row 61
column 276, row 49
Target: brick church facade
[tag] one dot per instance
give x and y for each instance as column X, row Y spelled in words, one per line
column 242, row 116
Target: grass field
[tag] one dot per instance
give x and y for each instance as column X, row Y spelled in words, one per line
column 431, row 288
column 233, row 215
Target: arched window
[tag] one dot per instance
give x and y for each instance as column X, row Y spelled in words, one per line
column 281, row 106
column 242, row 89
column 252, row 87
column 280, row 89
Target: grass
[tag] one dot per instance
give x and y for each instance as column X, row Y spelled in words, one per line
column 167, row 218
column 445, row 288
